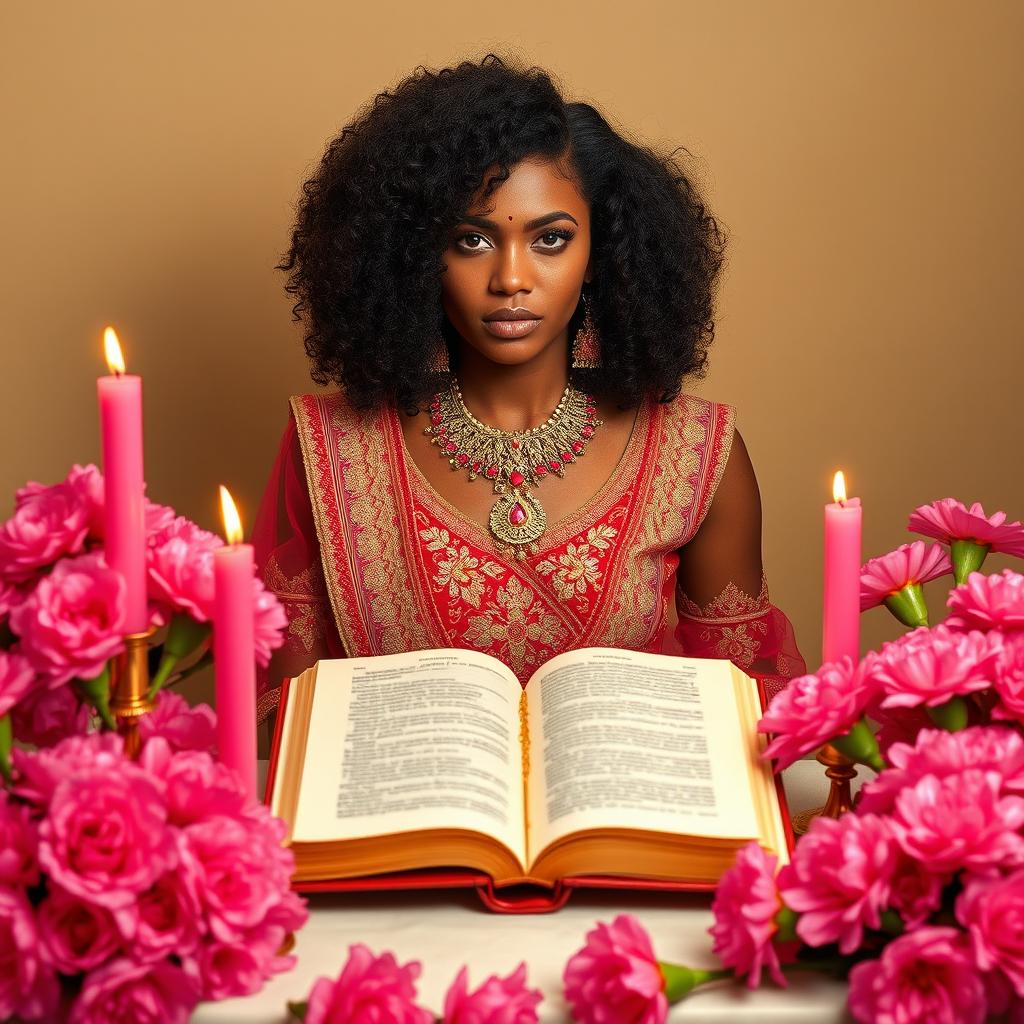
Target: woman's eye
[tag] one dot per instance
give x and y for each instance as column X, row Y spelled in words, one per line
column 462, row 238
column 550, row 240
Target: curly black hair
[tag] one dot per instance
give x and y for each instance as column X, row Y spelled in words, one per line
column 373, row 222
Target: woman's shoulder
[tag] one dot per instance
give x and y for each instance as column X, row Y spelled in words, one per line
column 694, row 415
column 333, row 408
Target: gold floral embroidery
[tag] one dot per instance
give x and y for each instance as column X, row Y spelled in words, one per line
column 734, row 642
column 304, row 598
column 516, row 627
column 577, row 569
column 731, row 605
column 459, row 571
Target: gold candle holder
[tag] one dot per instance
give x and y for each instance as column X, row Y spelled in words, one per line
column 129, row 681
column 840, row 772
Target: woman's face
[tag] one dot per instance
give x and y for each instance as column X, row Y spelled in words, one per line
column 528, row 250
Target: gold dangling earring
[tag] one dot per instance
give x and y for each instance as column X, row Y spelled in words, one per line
column 438, row 362
column 586, row 346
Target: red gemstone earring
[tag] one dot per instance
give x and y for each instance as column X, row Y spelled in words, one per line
column 586, row 346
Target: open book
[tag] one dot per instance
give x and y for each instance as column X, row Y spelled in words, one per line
column 609, row 762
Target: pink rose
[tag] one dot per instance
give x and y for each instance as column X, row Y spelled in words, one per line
column 45, row 717
column 234, row 872
column 180, row 563
column 988, row 602
column 16, row 679
column 960, row 821
column 144, row 993
column 196, row 786
column 615, row 976
column 106, row 837
column 28, row 986
column 75, row 935
column 923, row 977
column 166, row 919
column 48, row 523
column 940, row 753
column 1009, row 679
column 184, row 727
column 816, row 708
column 496, row 1001
column 19, row 840
column 369, row 990
column 992, row 911
column 745, row 904
column 74, row 620
column 39, row 772
column 839, row 879
column 271, row 622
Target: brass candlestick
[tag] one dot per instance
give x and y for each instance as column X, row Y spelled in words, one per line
column 129, row 682
column 840, row 772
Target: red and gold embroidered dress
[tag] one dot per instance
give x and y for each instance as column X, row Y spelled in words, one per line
column 368, row 558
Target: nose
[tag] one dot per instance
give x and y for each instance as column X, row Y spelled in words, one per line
column 512, row 270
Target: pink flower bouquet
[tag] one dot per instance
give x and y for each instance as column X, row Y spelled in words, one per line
column 62, row 608
column 131, row 890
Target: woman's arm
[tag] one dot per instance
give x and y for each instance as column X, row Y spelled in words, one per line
column 722, row 593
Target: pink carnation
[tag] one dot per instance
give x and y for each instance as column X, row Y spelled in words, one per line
column 948, row 520
column 615, row 976
column 105, row 837
column 960, row 821
column 180, row 565
column 839, row 879
column 923, row 977
column 992, row 911
column 1009, row 680
column 915, row 892
column 196, row 786
column 28, row 986
column 45, row 717
column 745, row 904
column 16, row 679
column 940, row 753
column 908, row 564
column 19, row 840
column 39, row 772
column 74, row 620
column 76, row 935
column 48, row 523
column 817, row 708
column 496, row 1001
column 271, row 622
column 184, row 727
column 166, row 919
column 369, row 990
column 10, row 595
column 933, row 668
column 144, row 993
column 988, row 602
column 230, row 969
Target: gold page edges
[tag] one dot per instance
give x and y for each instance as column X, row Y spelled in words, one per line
column 524, row 746
column 299, row 715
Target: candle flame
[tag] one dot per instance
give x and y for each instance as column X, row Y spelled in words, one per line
column 229, row 513
column 112, row 349
column 839, row 487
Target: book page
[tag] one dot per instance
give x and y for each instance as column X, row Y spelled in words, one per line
column 641, row 741
column 413, row 741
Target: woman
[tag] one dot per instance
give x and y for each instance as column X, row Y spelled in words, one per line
column 508, row 295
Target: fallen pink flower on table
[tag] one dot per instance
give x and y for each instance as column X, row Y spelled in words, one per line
column 496, row 1001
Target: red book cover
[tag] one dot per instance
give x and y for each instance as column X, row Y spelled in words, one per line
column 511, row 899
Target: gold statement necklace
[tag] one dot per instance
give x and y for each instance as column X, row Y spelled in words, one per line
column 514, row 461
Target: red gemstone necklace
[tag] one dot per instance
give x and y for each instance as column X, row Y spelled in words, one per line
column 513, row 460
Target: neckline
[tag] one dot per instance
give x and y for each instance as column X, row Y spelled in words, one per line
column 557, row 533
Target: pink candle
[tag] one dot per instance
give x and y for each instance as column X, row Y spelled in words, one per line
column 234, row 649
column 120, row 398
column 841, row 609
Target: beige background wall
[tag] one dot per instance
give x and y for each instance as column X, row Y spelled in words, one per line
column 866, row 159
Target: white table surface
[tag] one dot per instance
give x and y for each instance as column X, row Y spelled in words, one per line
column 445, row 930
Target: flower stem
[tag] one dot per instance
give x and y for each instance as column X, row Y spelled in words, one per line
column 951, row 716
column 967, row 557
column 860, row 745
column 298, row 1010
column 680, row 980
column 908, row 605
column 97, row 692
column 6, row 742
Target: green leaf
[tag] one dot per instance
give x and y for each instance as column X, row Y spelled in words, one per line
column 6, row 742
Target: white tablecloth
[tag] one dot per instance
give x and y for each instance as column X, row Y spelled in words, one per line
column 443, row 931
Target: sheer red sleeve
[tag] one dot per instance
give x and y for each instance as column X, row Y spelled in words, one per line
column 288, row 560
column 721, row 590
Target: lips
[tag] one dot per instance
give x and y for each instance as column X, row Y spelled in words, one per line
column 507, row 313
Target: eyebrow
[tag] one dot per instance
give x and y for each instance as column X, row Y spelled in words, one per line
column 538, row 222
